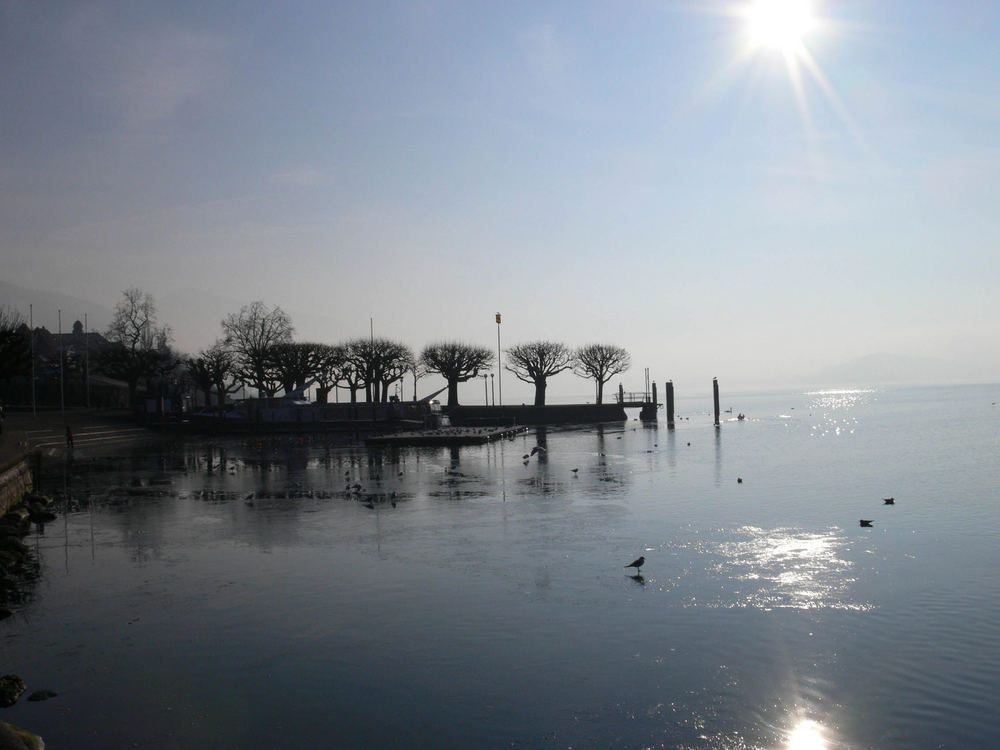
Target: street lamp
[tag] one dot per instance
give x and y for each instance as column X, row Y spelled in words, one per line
column 493, row 389
column 486, row 391
column 499, row 371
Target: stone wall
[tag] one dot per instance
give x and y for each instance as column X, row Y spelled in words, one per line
column 15, row 480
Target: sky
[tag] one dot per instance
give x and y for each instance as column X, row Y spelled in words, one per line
column 632, row 172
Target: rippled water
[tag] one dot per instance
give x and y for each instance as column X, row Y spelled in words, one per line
column 231, row 594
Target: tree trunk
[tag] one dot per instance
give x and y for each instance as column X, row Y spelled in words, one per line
column 600, row 392
column 540, row 392
column 322, row 395
column 354, row 393
column 452, row 393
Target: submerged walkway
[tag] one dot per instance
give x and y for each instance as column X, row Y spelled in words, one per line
column 445, row 436
column 25, row 433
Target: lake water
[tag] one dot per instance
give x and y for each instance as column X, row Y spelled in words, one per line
column 230, row 594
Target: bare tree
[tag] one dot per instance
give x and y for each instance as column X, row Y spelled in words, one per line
column 378, row 363
column 330, row 368
column 215, row 368
column 456, row 362
column 294, row 364
column 536, row 362
column 142, row 346
column 250, row 334
column 600, row 363
column 15, row 344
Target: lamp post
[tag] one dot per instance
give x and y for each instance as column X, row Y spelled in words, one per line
column 62, row 394
column 493, row 389
column 486, row 392
column 31, row 325
column 499, row 371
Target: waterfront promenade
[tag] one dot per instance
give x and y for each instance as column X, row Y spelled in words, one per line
column 93, row 430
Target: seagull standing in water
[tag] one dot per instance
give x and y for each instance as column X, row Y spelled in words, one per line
column 637, row 564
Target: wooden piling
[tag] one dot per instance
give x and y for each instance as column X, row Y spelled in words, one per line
column 715, row 398
column 670, row 404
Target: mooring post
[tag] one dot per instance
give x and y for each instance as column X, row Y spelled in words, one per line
column 715, row 398
column 621, row 394
column 670, row 404
column 648, row 413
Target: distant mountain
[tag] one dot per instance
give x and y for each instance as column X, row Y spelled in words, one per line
column 888, row 369
column 47, row 305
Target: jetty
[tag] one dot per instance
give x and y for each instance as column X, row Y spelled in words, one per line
column 444, row 436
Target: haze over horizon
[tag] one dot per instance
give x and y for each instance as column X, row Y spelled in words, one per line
column 662, row 176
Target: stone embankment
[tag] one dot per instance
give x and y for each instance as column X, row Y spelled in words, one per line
column 15, row 567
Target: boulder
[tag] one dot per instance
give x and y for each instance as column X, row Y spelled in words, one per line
column 15, row 738
column 42, row 695
column 11, row 688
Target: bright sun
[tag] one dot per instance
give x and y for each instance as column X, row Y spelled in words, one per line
column 780, row 25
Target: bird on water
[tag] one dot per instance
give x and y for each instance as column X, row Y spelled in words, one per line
column 637, row 564
column 889, row 500
column 866, row 522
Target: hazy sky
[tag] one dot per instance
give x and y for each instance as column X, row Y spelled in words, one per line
column 627, row 171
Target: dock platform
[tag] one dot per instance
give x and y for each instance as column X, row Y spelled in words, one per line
column 445, row 436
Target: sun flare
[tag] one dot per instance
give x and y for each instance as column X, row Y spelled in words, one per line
column 780, row 25
column 807, row 735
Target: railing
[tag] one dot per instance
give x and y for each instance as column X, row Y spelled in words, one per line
column 634, row 397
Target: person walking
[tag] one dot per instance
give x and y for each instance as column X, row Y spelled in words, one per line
column 69, row 437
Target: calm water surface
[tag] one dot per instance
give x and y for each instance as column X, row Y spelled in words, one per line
column 231, row 594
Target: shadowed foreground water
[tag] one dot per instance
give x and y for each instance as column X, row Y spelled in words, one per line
column 232, row 594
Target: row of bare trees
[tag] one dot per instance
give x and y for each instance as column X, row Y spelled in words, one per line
column 256, row 349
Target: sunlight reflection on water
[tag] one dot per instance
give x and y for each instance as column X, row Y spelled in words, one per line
column 782, row 568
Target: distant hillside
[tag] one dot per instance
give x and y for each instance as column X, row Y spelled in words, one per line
column 888, row 369
column 47, row 304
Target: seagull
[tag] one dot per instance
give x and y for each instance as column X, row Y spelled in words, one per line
column 574, row 470
column 637, row 564
column 889, row 500
column 739, row 480
column 866, row 522
column 537, row 449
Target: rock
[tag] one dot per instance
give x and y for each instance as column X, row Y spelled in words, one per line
column 11, row 688
column 15, row 738
column 42, row 695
